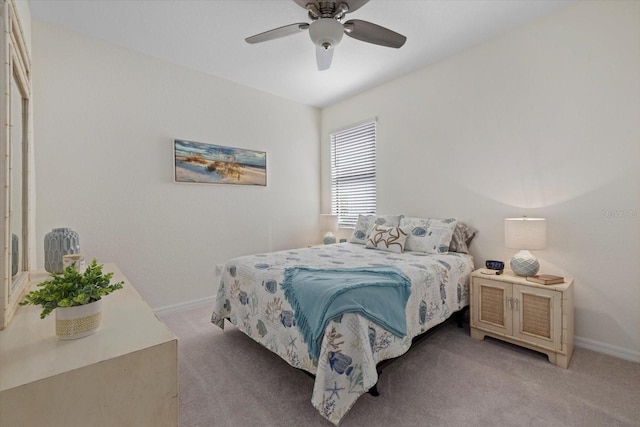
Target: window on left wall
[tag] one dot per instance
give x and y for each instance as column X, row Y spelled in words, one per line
column 353, row 173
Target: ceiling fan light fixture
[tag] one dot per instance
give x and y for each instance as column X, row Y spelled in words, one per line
column 326, row 32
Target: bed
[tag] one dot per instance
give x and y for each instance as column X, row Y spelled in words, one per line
column 251, row 296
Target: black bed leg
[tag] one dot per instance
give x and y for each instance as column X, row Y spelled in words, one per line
column 373, row 391
column 460, row 317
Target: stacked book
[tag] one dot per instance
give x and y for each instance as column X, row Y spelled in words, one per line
column 546, row 279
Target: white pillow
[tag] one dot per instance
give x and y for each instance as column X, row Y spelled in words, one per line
column 390, row 239
column 429, row 235
column 365, row 225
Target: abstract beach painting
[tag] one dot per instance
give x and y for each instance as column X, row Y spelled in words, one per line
column 197, row 162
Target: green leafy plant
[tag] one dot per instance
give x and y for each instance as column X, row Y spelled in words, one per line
column 71, row 288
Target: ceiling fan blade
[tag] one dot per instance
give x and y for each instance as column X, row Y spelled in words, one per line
column 373, row 33
column 323, row 58
column 276, row 33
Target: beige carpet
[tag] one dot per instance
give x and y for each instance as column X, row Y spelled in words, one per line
column 228, row 380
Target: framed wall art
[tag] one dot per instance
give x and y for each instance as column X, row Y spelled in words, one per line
column 197, row 162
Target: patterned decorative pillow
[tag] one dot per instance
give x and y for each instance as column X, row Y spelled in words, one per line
column 390, row 239
column 365, row 225
column 463, row 234
column 429, row 235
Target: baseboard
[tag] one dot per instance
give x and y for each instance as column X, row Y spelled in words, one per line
column 600, row 347
column 611, row 350
column 196, row 303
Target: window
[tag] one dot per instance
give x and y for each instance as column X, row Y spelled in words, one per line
column 353, row 173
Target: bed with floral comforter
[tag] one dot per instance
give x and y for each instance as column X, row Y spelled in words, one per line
column 251, row 297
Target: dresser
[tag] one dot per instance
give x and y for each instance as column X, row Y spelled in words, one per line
column 125, row 374
column 513, row 309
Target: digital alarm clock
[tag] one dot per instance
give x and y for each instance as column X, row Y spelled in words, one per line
column 496, row 267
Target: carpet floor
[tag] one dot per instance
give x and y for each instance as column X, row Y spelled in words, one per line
column 228, row 380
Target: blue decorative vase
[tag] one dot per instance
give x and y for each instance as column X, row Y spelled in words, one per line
column 15, row 255
column 524, row 264
column 329, row 238
column 59, row 242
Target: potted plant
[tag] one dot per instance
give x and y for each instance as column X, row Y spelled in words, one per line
column 77, row 298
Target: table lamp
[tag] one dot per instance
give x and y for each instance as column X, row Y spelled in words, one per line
column 328, row 224
column 525, row 234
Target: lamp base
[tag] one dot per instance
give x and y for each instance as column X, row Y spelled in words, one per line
column 524, row 264
column 329, row 238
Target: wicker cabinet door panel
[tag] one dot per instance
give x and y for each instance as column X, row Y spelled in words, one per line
column 490, row 301
column 538, row 315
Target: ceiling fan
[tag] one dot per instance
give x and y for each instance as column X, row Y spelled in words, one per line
column 326, row 29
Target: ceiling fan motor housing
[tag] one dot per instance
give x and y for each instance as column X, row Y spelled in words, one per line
column 326, row 32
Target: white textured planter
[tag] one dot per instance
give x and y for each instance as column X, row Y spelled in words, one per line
column 78, row 321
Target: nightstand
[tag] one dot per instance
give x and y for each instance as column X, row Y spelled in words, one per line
column 513, row 309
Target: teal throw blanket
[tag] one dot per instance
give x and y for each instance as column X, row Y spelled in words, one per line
column 319, row 295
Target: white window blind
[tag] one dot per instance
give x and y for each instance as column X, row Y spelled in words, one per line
column 353, row 173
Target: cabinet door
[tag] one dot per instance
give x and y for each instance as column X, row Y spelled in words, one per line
column 537, row 316
column 490, row 303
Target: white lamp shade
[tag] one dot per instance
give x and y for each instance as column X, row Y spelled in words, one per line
column 328, row 222
column 326, row 32
column 525, row 233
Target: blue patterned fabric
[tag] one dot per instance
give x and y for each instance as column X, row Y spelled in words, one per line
column 251, row 296
column 318, row 295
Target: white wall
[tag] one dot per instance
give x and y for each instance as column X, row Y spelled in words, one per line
column 105, row 118
column 543, row 121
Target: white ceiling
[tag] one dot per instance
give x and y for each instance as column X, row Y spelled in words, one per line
column 208, row 35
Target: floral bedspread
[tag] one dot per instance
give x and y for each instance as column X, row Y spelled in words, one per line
column 251, row 297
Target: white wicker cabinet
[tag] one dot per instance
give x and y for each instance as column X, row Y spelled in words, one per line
column 513, row 309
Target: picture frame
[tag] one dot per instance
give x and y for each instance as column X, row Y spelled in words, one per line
column 202, row 163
